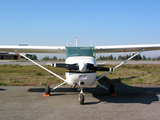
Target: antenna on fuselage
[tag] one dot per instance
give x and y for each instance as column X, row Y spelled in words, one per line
column 91, row 41
column 67, row 42
column 76, row 41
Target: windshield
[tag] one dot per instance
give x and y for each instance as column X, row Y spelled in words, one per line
column 80, row 51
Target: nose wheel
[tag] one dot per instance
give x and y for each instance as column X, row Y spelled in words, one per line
column 81, row 97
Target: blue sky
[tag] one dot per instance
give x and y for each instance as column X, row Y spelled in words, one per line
column 106, row 22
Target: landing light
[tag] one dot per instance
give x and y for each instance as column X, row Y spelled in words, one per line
column 83, row 77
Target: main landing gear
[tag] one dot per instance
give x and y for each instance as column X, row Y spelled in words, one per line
column 47, row 89
column 112, row 90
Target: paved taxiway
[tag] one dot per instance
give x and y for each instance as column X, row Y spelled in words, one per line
column 140, row 102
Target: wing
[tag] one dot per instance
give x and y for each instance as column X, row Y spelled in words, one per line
column 61, row 49
column 126, row 48
column 33, row 49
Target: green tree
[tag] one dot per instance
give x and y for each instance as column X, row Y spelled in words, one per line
column 144, row 58
column 55, row 58
column 149, row 58
column 34, row 57
column 119, row 57
column 46, row 58
column 110, row 57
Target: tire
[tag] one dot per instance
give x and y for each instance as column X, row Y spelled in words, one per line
column 81, row 98
column 111, row 89
column 47, row 89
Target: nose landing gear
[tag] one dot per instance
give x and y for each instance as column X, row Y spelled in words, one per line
column 81, row 97
column 74, row 85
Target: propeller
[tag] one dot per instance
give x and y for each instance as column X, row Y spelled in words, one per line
column 92, row 67
column 81, row 66
column 99, row 68
column 68, row 66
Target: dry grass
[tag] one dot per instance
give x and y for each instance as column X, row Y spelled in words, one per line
column 35, row 76
column 28, row 75
column 133, row 74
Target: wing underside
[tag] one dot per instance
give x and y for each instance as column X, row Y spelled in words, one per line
column 62, row 49
column 126, row 48
column 33, row 49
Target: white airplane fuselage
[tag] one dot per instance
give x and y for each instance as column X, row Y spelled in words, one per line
column 81, row 77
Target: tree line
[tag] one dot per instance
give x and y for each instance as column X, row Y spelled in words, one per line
column 125, row 57
column 52, row 58
column 109, row 57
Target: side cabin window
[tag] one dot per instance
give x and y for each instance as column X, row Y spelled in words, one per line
column 80, row 51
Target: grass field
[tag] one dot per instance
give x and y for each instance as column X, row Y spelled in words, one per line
column 16, row 75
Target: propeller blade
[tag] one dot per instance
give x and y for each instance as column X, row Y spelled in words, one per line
column 69, row 66
column 99, row 68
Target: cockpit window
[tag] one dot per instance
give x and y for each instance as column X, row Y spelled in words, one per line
column 80, row 51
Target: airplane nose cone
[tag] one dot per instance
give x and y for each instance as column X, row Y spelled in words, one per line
column 82, row 67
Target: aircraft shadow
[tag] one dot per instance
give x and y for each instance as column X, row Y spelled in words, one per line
column 56, row 90
column 125, row 93
column 2, row 89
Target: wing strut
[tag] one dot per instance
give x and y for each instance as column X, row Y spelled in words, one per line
column 117, row 67
column 43, row 68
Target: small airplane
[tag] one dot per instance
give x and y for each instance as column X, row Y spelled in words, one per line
column 80, row 62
